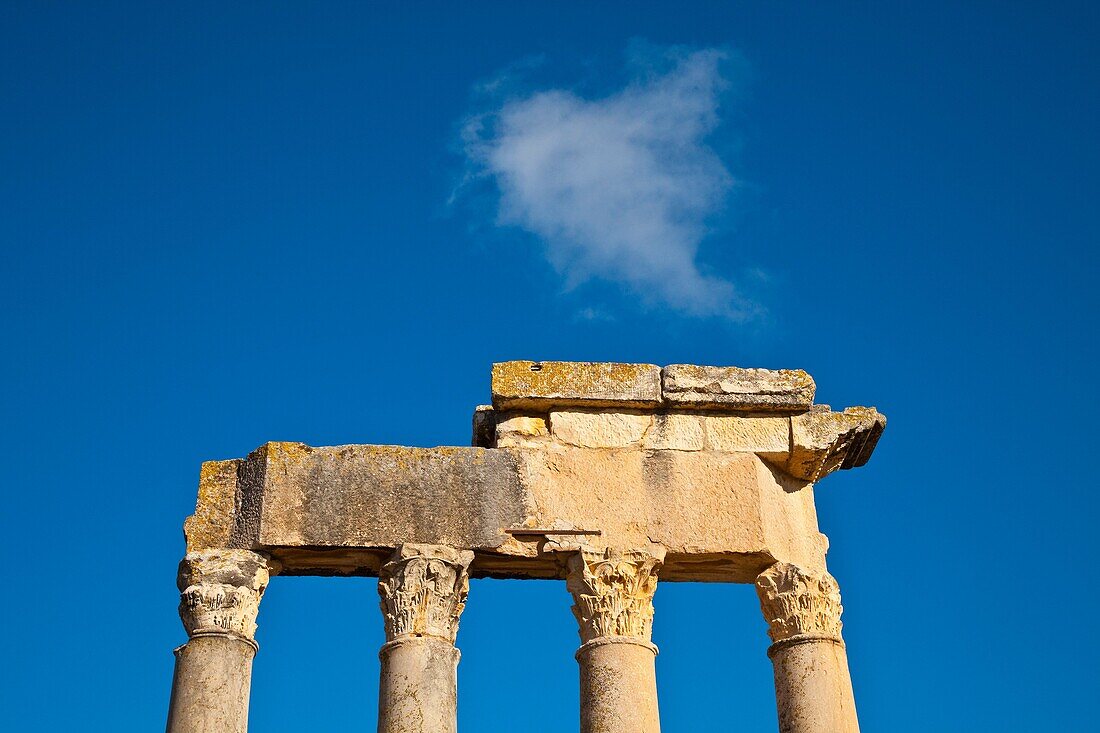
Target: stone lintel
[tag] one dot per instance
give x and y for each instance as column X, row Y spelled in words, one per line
column 541, row 385
column 343, row 510
column 736, row 389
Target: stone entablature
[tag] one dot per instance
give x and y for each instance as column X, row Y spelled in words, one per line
column 616, row 449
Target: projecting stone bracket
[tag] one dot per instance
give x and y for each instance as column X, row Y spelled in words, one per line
column 715, row 465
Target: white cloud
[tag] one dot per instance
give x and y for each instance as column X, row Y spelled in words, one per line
column 620, row 187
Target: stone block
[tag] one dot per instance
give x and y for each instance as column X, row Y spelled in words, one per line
column 515, row 431
column 768, row 436
column 574, row 454
column 737, row 389
column 545, row 385
column 484, row 426
column 378, row 496
column 343, row 509
column 675, row 431
column 712, row 512
column 211, row 526
column 822, row 442
column 600, row 429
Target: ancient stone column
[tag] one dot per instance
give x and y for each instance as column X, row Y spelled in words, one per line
column 220, row 593
column 423, row 590
column 613, row 596
column 813, row 688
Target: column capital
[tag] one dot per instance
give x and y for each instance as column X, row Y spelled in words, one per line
column 220, row 592
column 423, row 590
column 799, row 605
column 613, row 593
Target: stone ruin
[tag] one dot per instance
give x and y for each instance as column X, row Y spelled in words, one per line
column 610, row 476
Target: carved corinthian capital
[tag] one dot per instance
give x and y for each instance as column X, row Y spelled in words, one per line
column 220, row 591
column 613, row 593
column 797, row 604
column 423, row 590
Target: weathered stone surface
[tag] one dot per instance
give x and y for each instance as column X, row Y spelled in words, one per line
column 766, row 436
column 618, row 689
column 809, row 446
column 822, row 441
column 631, row 429
column 707, row 480
column 210, row 686
column 546, row 385
column 211, row 525
column 813, row 688
column 418, row 690
column 600, row 429
column 380, row 497
column 726, row 494
column 721, row 516
column 484, row 427
column 422, row 592
column 613, row 603
column 675, row 431
column 516, row 431
column 734, row 388
column 692, row 503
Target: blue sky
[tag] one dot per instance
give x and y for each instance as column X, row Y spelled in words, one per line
column 223, row 226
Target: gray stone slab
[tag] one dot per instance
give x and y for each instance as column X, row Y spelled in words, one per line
column 737, row 390
column 379, row 496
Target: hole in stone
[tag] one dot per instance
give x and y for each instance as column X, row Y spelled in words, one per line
column 536, row 367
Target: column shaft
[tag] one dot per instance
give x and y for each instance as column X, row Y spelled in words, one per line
column 211, row 685
column 618, row 688
column 423, row 590
column 419, row 687
column 219, row 601
column 613, row 594
column 813, row 687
